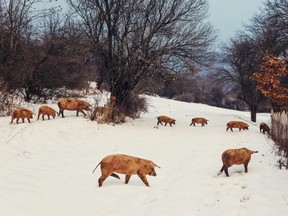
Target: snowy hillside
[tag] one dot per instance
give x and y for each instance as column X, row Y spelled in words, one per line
column 46, row 167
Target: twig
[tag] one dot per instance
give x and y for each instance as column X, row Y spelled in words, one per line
column 19, row 132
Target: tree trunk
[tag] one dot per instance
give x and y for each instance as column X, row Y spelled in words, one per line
column 253, row 110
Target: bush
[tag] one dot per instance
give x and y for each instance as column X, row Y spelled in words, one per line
column 7, row 102
column 136, row 105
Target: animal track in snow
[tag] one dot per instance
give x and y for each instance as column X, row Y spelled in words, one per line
column 244, row 186
column 245, row 198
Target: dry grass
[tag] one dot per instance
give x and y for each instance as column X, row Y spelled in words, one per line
column 279, row 134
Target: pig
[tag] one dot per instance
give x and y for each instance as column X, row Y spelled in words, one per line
column 237, row 124
column 125, row 164
column 264, row 128
column 73, row 104
column 21, row 113
column 166, row 120
column 235, row 156
column 199, row 120
column 46, row 110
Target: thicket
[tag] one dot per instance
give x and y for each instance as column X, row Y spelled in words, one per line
column 119, row 44
column 35, row 62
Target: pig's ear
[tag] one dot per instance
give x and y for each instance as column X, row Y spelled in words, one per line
column 155, row 165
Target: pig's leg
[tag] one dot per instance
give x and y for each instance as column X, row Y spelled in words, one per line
column 115, row 175
column 226, row 171
column 246, row 167
column 105, row 173
column 127, row 178
column 143, row 178
column 221, row 170
column 102, row 179
column 81, row 112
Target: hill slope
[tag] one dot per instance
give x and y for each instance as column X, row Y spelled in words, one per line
column 46, row 167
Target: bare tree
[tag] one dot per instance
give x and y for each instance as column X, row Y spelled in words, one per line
column 16, row 30
column 15, row 25
column 35, row 61
column 59, row 59
column 270, row 27
column 133, row 39
column 241, row 58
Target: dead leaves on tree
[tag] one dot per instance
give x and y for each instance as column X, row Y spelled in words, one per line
column 270, row 80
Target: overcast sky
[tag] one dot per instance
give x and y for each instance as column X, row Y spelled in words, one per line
column 228, row 16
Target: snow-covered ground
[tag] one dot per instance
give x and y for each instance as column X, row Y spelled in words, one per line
column 46, row 167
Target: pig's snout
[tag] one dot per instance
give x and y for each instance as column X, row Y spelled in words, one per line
column 152, row 172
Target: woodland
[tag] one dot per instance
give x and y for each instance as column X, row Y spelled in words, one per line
column 133, row 47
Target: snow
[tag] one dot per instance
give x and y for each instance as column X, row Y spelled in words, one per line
column 46, row 167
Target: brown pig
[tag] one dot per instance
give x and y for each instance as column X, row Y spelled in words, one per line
column 237, row 124
column 46, row 110
column 125, row 164
column 264, row 128
column 166, row 120
column 199, row 120
column 73, row 104
column 235, row 156
column 21, row 113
